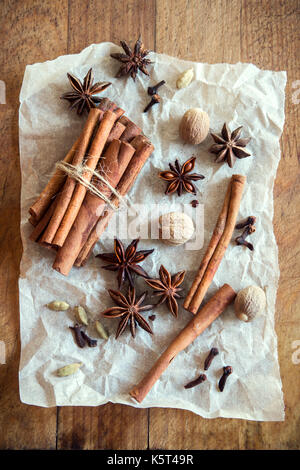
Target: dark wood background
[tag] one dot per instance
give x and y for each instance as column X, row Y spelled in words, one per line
column 265, row 32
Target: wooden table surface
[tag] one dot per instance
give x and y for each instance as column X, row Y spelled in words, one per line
column 264, row 32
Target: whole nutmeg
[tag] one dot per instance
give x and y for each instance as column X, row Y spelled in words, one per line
column 194, row 126
column 249, row 302
column 176, row 228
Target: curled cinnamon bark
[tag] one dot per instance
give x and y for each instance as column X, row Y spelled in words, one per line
column 42, row 224
column 194, row 328
column 131, row 130
column 219, row 242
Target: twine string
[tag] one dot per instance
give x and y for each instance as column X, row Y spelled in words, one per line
column 77, row 173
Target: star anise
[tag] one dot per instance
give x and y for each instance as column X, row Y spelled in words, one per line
column 167, row 288
column 179, row 179
column 128, row 309
column 229, row 146
column 82, row 97
column 132, row 61
column 126, row 261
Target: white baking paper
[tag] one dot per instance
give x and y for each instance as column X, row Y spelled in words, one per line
column 240, row 94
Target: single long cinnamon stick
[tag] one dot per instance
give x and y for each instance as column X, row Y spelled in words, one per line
column 79, row 193
column 237, row 186
column 144, row 149
column 217, row 233
column 116, row 158
column 69, row 186
column 214, row 307
column 53, row 186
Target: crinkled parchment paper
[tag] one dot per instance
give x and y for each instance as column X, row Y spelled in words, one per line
column 239, row 94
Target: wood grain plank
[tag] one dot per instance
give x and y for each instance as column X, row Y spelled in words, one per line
column 256, row 31
column 97, row 21
column 204, row 31
column 33, row 31
column 111, row 426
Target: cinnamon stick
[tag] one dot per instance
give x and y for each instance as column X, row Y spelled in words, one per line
column 214, row 307
column 115, row 133
column 116, row 157
column 69, row 186
column 131, row 131
column 218, row 245
column 144, row 149
column 217, row 233
column 32, row 220
column 42, row 224
column 52, row 188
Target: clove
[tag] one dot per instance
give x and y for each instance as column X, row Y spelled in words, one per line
column 227, row 370
column 82, row 338
column 90, row 342
column 152, row 90
column 194, row 203
column 154, row 100
column 212, row 353
column 80, row 341
column 241, row 240
column 199, row 380
column 249, row 221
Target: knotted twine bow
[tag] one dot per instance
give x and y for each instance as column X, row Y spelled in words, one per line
column 77, row 172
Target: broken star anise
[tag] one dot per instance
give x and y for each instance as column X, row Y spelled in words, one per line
column 167, row 287
column 83, row 97
column 128, row 309
column 179, row 178
column 125, row 261
column 133, row 60
column 229, row 146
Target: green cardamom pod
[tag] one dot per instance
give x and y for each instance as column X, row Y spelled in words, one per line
column 185, row 78
column 69, row 369
column 58, row 305
column 101, row 330
column 81, row 315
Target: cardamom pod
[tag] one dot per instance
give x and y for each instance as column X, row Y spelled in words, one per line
column 185, row 78
column 69, row 369
column 81, row 315
column 58, row 305
column 101, row 330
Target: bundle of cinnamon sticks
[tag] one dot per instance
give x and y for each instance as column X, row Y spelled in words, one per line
column 67, row 216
